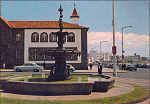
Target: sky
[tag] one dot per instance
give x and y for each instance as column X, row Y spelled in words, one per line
column 97, row 15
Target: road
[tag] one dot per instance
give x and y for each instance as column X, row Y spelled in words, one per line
column 141, row 73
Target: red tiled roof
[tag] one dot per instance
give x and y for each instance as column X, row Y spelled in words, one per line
column 74, row 14
column 41, row 24
column 4, row 21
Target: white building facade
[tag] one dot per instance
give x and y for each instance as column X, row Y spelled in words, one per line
column 29, row 41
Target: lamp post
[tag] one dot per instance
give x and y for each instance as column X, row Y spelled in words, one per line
column 114, row 47
column 124, row 27
column 101, row 47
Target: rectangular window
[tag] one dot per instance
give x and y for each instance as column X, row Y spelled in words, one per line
column 18, row 37
column 41, row 54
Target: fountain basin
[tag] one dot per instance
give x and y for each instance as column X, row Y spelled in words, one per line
column 45, row 88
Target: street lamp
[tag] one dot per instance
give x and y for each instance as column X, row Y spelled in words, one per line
column 101, row 47
column 114, row 46
column 124, row 27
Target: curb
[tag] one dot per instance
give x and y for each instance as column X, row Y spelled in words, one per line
column 138, row 101
column 7, row 71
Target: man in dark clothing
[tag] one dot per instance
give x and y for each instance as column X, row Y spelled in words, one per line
column 99, row 68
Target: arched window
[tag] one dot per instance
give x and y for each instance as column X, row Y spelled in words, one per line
column 44, row 37
column 35, row 37
column 71, row 37
column 53, row 37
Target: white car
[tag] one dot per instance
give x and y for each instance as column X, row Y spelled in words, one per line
column 28, row 67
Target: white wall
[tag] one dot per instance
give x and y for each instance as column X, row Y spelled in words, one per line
column 28, row 43
column 75, row 20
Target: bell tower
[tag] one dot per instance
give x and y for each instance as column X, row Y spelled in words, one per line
column 74, row 17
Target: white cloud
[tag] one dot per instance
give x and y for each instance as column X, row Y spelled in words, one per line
column 133, row 43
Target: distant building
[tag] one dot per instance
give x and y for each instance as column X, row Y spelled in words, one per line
column 94, row 54
column 132, row 58
column 28, row 41
column 107, row 57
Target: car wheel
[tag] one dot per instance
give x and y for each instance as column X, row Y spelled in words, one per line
column 36, row 70
column 71, row 70
column 18, row 70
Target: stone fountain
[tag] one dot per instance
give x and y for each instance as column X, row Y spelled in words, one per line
column 60, row 54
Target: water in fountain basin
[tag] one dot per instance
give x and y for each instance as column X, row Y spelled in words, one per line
column 26, row 80
column 103, row 79
column 92, row 79
column 79, row 79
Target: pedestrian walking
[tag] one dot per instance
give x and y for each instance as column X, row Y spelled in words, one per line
column 124, row 66
column 99, row 68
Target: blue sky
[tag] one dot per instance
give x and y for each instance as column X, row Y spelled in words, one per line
column 97, row 15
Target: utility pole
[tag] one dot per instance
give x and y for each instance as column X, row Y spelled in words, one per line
column 114, row 47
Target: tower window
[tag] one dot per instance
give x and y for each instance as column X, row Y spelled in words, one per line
column 35, row 37
column 44, row 37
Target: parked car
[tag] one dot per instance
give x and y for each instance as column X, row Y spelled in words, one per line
column 28, row 67
column 143, row 65
column 139, row 65
column 131, row 68
column 148, row 65
column 110, row 66
column 68, row 66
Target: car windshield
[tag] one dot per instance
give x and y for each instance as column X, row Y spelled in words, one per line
column 28, row 64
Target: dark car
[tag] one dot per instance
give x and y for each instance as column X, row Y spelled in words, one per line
column 110, row 66
column 68, row 66
column 131, row 68
column 139, row 65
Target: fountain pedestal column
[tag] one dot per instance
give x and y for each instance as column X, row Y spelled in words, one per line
column 61, row 72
